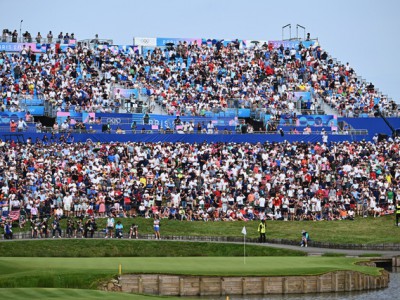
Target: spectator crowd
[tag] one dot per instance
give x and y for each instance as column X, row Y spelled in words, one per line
column 188, row 79
column 200, row 182
column 12, row 36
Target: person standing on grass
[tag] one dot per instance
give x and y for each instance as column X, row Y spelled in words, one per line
column 110, row 227
column 397, row 212
column 262, row 227
column 8, row 234
column 90, row 227
column 156, row 227
column 133, row 231
column 56, row 228
column 118, row 230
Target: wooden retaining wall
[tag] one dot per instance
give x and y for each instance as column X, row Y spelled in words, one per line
column 175, row 285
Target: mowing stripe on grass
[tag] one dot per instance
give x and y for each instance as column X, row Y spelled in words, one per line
column 121, row 248
column 211, row 266
column 69, row 294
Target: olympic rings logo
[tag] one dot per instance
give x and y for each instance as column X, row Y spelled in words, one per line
column 113, row 121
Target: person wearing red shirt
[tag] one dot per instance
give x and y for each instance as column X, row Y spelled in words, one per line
column 13, row 126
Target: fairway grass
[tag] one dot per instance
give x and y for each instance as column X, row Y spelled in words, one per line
column 71, row 294
column 132, row 248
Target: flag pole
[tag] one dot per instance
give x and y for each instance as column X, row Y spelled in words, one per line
column 244, row 232
column 244, row 249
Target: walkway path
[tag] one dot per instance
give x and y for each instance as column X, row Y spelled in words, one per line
column 320, row 251
column 233, row 240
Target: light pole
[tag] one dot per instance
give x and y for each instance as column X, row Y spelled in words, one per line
column 20, row 30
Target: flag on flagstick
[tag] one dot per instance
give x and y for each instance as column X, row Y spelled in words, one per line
column 244, row 230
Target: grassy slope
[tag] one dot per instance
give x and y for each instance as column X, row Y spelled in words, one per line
column 129, row 248
column 361, row 231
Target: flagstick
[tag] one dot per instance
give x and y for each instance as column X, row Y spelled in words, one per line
column 244, row 232
column 244, row 249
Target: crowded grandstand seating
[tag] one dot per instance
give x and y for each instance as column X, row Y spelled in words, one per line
column 107, row 153
column 190, row 79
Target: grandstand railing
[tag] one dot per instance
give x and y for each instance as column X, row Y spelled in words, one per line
column 171, row 130
column 6, row 129
column 50, row 109
column 33, row 39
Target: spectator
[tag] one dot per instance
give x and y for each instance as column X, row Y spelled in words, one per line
column 38, row 38
column 50, row 37
column 262, row 230
column 14, row 36
column 56, row 228
column 8, row 233
column 133, row 232
column 21, row 125
column 110, row 226
column 304, row 238
column 90, row 227
column 146, row 118
column 119, row 230
column 156, row 227
column 59, row 38
column 13, row 126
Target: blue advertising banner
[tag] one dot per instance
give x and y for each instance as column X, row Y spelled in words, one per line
column 162, row 42
column 168, row 121
column 36, row 48
column 116, row 49
column 36, row 110
column 126, row 93
column 308, row 120
column 102, row 118
column 63, row 116
column 291, row 44
column 31, row 102
column 7, row 116
column 229, row 113
column 317, row 120
column 244, row 113
column 196, row 138
column 304, row 95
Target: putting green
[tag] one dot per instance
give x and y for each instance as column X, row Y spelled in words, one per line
column 212, row 266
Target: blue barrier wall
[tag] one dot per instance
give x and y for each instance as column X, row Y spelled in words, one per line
column 189, row 138
column 373, row 125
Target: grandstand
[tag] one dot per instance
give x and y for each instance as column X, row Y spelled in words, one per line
column 280, row 88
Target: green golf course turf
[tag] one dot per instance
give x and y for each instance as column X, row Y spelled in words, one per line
column 129, row 248
column 360, row 231
column 67, row 268
column 71, row 294
column 88, row 272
